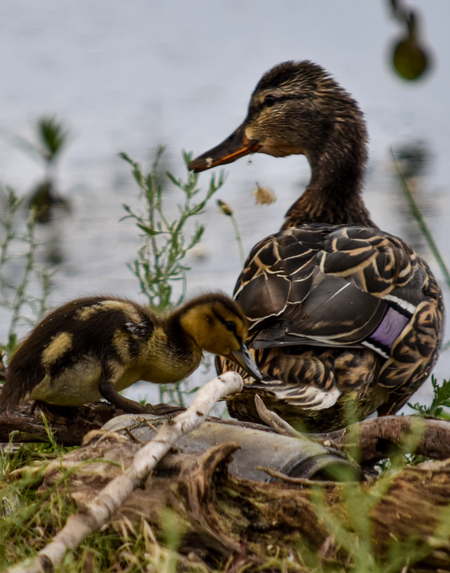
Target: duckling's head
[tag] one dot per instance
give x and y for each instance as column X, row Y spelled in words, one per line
column 218, row 325
column 296, row 108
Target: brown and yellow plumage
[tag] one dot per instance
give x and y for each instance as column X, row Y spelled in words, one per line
column 339, row 310
column 95, row 347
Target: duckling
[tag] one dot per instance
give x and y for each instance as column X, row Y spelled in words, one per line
column 94, row 347
column 340, row 312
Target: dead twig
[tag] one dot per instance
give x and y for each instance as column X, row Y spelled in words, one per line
column 274, row 420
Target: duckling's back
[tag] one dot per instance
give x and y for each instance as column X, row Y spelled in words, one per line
column 84, row 327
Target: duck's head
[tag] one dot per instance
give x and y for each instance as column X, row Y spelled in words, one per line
column 296, row 108
column 218, row 325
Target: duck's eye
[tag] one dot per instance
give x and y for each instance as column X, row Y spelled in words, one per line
column 269, row 100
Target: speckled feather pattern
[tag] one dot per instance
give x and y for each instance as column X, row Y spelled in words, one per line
column 71, row 332
column 314, row 296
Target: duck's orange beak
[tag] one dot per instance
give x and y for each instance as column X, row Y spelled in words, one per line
column 235, row 146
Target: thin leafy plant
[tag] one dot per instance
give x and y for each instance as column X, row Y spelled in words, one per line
column 52, row 137
column 18, row 269
column 440, row 403
column 160, row 265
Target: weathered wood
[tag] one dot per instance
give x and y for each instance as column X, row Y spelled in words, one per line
column 378, row 438
column 225, row 516
column 68, row 425
column 258, row 448
column 219, row 512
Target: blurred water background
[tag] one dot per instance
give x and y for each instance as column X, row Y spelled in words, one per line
column 129, row 76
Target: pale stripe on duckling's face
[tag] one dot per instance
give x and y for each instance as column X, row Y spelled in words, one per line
column 214, row 328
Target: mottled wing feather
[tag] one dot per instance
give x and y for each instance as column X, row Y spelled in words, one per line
column 313, row 304
column 276, row 272
column 374, row 261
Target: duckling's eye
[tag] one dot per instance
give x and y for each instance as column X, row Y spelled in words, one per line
column 270, row 100
column 230, row 326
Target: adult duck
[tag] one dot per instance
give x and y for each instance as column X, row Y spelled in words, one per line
column 345, row 319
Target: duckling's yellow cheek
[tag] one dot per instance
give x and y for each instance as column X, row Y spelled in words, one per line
column 234, row 345
column 221, row 344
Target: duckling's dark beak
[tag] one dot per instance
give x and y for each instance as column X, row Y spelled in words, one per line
column 235, row 146
column 242, row 358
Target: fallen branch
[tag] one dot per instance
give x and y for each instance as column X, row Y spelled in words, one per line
column 68, row 425
column 274, row 421
column 377, row 438
column 406, row 512
column 100, row 510
column 384, row 437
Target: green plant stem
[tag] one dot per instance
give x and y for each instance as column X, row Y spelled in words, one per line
column 14, row 295
column 20, row 297
column 421, row 221
column 238, row 236
column 160, row 261
column 445, row 346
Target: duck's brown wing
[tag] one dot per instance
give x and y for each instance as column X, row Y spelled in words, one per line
column 341, row 287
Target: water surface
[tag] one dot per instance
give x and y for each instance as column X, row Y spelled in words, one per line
column 128, row 76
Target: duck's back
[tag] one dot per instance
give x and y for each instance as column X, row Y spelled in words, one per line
column 336, row 313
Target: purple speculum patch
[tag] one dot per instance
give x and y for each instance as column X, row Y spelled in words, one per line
column 389, row 329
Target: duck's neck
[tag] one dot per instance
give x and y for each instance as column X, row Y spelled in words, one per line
column 334, row 193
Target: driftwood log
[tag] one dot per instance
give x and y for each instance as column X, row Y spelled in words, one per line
column 225, row 516
column 378, row 438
